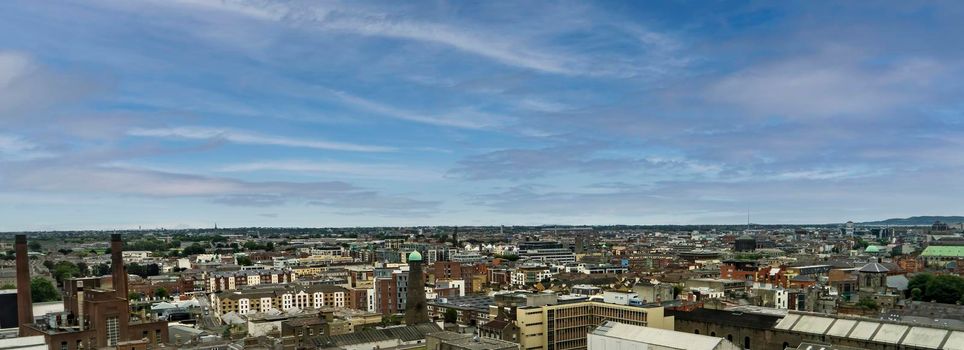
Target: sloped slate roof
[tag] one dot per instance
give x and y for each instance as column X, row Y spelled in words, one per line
column 750, row 320
column 873, row 267
column 405, row 333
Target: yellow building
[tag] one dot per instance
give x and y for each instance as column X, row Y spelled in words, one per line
column 564, row 326
column 307, row 271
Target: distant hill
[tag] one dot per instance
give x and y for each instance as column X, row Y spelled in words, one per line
column 916, row 221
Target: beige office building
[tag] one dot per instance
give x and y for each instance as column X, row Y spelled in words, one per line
column 564, row 326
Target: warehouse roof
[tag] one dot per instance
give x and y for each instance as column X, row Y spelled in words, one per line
column 876, row 331
column 657, row 337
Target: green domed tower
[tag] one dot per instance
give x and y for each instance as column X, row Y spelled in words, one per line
column 416, row 309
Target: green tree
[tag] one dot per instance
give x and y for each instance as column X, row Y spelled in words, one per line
column 34, row 246
column 391, row 320
column 868, row 304
column 63, row 270
column 916, row 294
column 253, row 245
column 83, row 268
column 134, row 296
column 245, row 261
column 8, row 286
column 143, row 270
column 101, row 270
column 944, row 289
column 41, row 290
column 161, row 293
column 919, row 281
column 193, row 249
column 509, row 257
column 451, row 316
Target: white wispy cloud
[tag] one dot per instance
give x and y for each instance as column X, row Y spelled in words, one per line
column 12, row 66
column 523, row 47
column 252, row 138
column 828, row 85
column 468, row 119
column 351, row 21
column 13, row 147
column 26, row 85
column 48, row 177
column 386, row 171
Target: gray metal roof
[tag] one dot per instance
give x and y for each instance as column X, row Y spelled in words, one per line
column 874, row 267
column 875, row 331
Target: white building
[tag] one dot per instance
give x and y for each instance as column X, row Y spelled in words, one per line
column 136, row 256
column 621, row 298
column 446, row 284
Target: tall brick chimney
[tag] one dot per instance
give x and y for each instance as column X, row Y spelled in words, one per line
column 118, row 271
column 24, row 299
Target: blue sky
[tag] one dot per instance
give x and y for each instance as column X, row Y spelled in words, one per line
column 125, row 114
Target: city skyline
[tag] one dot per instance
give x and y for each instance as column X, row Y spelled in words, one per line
column 180, row 114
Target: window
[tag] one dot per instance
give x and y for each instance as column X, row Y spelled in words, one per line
column 696, row 331
column 63, row 345
column 746, row 342
column 112, row 331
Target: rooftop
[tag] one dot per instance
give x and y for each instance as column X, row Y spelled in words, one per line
column 870, row 330
column 469, row 341
column 874, row 268
column 404, row 333
column 944, row 250
column 748, row 319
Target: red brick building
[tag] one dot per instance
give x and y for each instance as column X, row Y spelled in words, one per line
column 95, row 315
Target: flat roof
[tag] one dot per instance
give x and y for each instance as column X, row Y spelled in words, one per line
column 24, row 343
column 930, row 338
column 955, row 341
column 812, row 324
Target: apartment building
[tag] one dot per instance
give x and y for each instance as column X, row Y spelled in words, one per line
column 232, row 280
column 530, row 274
column 251, row 301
